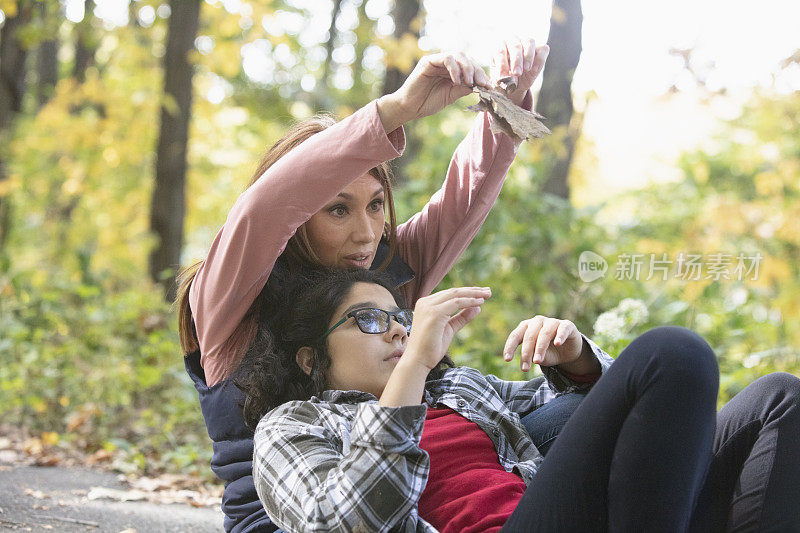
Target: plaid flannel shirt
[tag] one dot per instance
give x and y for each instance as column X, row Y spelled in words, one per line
column 343, row 463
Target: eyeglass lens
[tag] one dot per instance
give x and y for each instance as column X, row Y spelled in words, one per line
column 377, row 321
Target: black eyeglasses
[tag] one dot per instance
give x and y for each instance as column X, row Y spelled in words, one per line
column 375, row 321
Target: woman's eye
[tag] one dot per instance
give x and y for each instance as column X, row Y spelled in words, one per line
column 376, row 205
column 338, row 210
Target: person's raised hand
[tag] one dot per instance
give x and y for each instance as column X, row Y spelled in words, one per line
column 437, row 81
column 522, row 59
column 545, row 341
column 437, row 318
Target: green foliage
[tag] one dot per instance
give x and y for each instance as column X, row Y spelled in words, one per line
column 102, row 365
column 741, row 197
column 88, row 349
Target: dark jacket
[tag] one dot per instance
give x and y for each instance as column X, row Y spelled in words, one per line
column 232, row 459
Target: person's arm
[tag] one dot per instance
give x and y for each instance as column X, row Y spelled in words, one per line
column 310, row 479
column 523, row 397
column 297, row 186
column 437, row 318
column 431, row 241
column 268, row 213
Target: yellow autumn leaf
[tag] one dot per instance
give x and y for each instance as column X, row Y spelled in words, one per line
column 9, row 185
column 169, row 103
column 694, row 289
column 773, row 270
column 9, row 7
column 768, row 183
column 402, row 53
column 344, row 110
column 416, row 23
column 700, row 171
column 50, row 438
column 789, row 230
column 227, row 60
column 651, row 246
column 559, row 16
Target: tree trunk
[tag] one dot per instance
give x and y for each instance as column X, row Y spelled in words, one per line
column 555, row 97
column 403, row 14
column 85, row 43
column 12, row 65
column 365, row 35
column 168, row 205
column 47, row 54
column 324, row 100
column 12, row 89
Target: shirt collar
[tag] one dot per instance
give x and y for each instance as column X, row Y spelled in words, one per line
column 346, row 396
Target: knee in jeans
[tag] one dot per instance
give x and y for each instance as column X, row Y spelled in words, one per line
column 683, row 351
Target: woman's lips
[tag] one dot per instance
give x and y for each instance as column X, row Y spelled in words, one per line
column 359, row 260
column 395, row 356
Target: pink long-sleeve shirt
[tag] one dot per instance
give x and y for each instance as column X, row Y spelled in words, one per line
column 268, row 213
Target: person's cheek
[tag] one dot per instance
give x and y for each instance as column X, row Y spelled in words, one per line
column 380, row 224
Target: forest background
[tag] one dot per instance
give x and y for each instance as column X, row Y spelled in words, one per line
column 124, row 144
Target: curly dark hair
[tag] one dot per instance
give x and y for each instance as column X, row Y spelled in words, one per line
column 269, row 374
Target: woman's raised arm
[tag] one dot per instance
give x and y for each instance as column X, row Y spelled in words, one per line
column 432, row 240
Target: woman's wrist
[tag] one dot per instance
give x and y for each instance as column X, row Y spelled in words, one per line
column 586, row 363
column 405, row 385
column 518, row 97
column 391, row 112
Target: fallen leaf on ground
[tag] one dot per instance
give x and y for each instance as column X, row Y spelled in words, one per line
column 35, row 493
column 46, row 459
column 96, row 493
column 100, row 456
column 9, row 456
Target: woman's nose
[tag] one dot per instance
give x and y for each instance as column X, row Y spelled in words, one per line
column 396, row 330
column 363, row 230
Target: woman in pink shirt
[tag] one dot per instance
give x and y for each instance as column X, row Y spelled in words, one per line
column 321, row 197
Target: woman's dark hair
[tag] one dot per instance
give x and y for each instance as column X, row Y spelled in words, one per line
column 269, row 374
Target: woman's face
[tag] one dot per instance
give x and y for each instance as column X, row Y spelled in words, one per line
column 364, row 361
column 346, row 232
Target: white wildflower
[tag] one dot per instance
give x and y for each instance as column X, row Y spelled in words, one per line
column 609, row 325
column 634, row 311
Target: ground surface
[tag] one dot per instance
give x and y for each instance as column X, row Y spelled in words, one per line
column 37, row 498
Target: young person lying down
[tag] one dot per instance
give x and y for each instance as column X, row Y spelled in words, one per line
column 363, row 427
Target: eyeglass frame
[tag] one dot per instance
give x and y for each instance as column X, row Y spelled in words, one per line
column 391, row 315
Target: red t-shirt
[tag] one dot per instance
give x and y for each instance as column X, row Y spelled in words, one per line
column 468, row 489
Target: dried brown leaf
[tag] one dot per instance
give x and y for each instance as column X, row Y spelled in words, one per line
column 509, row 118
column 36, row 493
column 96, row 493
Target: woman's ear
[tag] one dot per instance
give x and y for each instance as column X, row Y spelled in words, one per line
column 305, row 359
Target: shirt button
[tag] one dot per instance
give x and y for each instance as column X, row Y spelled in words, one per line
column 462, row 403
column 496, row 432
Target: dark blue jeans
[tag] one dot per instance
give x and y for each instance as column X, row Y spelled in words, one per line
column 646, row 450
column 546, row 423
